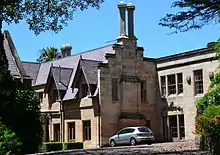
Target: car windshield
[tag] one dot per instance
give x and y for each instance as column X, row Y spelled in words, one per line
column 143, row 130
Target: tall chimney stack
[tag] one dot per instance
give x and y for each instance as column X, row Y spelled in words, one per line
column 122, row 9
column 66, row 50
column 131, row 8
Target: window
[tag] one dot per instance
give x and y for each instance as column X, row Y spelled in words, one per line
column 171, row 84
column 84, row 90
column 87, row 130
column 143, row 90
column 143, row 130
column 93, row 88
column 198, row 82
column 71, row 131
column 40, row 96
column 55, row 96
column 180, row 83
column 163, row 85
column 123, row 131
column 114, row 89
column 56, row 131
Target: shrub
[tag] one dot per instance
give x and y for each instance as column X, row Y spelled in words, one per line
column 72, row 145
column 52, row 146
column 9, row 143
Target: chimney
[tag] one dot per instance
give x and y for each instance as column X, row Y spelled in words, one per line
column 122, row 9
column 66, row 50
column 131, row 8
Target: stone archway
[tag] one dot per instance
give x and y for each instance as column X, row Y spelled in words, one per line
column 132, row 119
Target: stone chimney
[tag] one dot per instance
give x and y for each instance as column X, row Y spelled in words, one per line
column 131, row 8
column 122, row 10
column 66, row 50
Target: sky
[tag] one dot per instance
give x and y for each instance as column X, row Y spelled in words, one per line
column 95, row 28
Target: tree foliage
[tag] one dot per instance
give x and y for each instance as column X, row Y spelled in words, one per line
column 19, row 108
column 9, row 142
column 47, row 54
column 22, row 115
column 208, row 114
column 43, row 15
column 194, row 14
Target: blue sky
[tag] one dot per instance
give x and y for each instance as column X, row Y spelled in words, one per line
column 94, row 28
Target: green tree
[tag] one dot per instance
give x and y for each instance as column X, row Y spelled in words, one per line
column 208, row 114
column 194, row 14
column 47, row 54
column 40, row 15
column 9, row 142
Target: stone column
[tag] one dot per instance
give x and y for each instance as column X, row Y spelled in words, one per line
column 178, row 126
column 122, row 9
column 130, row 8
column 166, row 82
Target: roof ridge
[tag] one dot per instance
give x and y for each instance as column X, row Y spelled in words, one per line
column 62, row 67
column 79, row 53
column 91, row 60
column 183, row 53
column 30, row 62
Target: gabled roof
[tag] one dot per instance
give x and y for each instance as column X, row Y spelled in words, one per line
column 60, row 76
column 90, row 69
column 31, row 69
column 14, row 62
column 72, row 62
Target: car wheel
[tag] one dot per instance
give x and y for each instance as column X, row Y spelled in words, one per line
column 112, row 143
column 133, row 142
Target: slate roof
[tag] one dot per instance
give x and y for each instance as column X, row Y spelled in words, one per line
column 72, row 62
column 90, row 68
column 14, row 62
column 31, row 69
column 61, row 77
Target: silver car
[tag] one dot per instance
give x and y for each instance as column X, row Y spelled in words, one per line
column 132, row 136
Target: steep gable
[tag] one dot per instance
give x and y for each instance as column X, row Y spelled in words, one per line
column 72, row 62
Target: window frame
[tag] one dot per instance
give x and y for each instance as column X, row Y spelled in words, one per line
column 72, row 133
column 179, row 83
column 114, row 89
column 163, row 85
column 143, row 90
column 55, row 130
column 87, row 130
column 198, row 82
column 171, row 86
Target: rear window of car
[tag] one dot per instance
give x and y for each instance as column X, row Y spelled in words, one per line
column 143, row 130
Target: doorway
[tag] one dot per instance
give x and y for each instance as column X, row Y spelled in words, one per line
column 177, row 127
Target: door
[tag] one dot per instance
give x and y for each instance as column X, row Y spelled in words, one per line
column 173, row 126
column 181, row 126
column 125, row 137
column 119, row 136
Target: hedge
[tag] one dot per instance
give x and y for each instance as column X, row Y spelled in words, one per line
column 72, row 145
column 59, row 146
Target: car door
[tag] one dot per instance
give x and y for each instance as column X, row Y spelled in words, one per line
column 119, row 139
column 125, row 136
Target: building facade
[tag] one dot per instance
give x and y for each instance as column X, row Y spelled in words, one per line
column 184, row 78
column 90, row 96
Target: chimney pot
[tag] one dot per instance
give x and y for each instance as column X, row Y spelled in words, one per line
column 122, row 10
column 66, row 50
column 131, row 8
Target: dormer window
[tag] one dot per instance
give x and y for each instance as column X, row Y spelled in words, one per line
column 93, row 88
column 55, row 96
column 84, row 90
